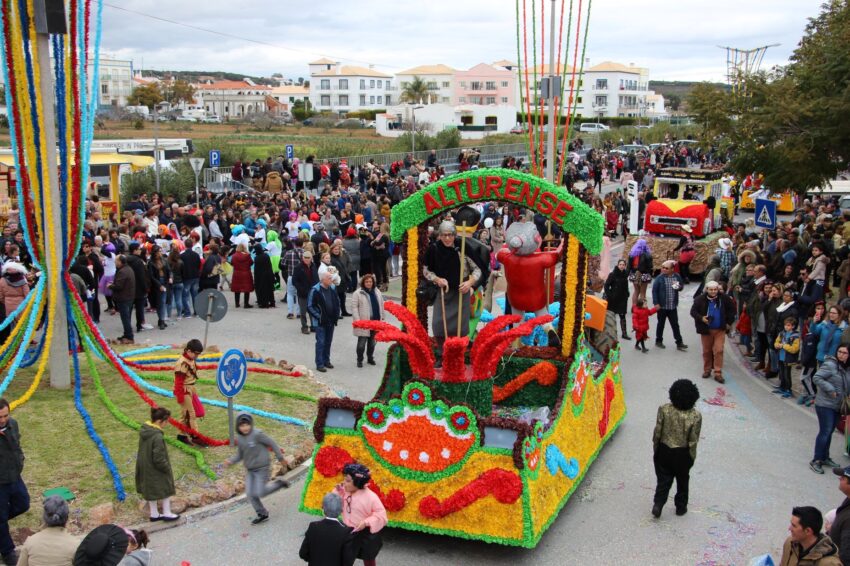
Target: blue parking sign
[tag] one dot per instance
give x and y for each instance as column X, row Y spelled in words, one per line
column 765, row 213
column 290, row 151
column 215, row 158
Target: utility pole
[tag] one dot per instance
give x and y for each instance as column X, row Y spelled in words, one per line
column 60, row 370
column 156, row 143
column 553, row 79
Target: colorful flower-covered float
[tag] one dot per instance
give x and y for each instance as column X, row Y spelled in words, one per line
column 491, row 445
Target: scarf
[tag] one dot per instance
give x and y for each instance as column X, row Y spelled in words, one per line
column 373, row 300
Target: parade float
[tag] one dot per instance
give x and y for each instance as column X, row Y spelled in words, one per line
column 491, row 445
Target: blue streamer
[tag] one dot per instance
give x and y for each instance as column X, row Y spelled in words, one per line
column 155, row 361
column 32, row 355
column 84, row 414
column 140, row 351
column 30, row 328
column 93, row 347
column 62, row 132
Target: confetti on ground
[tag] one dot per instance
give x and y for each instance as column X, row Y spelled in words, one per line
column 720, row 400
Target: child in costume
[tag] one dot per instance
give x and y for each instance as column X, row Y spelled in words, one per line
column 185, row 377
column 253, row 447
column 640, row 323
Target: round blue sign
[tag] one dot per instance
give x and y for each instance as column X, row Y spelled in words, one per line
column 231, row 373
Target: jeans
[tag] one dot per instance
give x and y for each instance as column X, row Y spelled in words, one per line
column 291, row 297
column 140, row 312
column 257, row 485
column 161, row 304
column 125, row 309
column 826, row 424
column 177, row 298
column 395, row 265
column 14, row 501
column 324, row 338
column 302, row 307
column 673, row 316
column 190, row 291
column 366, row 343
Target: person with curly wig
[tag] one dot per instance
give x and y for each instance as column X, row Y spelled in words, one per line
column 363, row 511
column 674, row 443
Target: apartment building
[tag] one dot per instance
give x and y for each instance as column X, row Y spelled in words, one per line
column 231, row 99
column 439, row 79
column 347, row 88
column 485, row 84
column 115, row 81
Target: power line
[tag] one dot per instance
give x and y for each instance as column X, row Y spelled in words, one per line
column 239, row 37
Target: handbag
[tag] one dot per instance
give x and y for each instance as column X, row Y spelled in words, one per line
column 426, row 292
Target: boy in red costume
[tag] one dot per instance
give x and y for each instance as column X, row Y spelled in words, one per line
column 185, row 377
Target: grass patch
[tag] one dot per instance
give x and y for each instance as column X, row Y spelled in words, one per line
column 59, row 452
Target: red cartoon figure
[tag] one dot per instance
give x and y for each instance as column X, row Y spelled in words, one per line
column 530, row 273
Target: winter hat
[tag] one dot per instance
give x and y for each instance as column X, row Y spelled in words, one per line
column 314, row 216
column 350, row 232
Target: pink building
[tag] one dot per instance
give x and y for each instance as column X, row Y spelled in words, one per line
column 485, row 84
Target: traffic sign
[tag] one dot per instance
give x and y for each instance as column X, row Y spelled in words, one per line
column 197, row 165
column 215, row 158
column 231, row 373
column 290, row 151
column 765, row 213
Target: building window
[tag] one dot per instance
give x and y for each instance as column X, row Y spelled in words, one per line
column 343, row 100
column 380, row 84
column 104, row 89
column 462, row 84
column 601, row 84
column 432, row 85
column 343, row 84
column 362, row 100
column 491, row 85
column 490, row 120
column 404, row 84
column 578, row 100
column 461, row 100
column 444, row 99
column 325, row 84
column 387, row 99
column 475, row 100
column 372, row 83
column 371, row 100
column 362, row 84
column 601, row 101
column 447, row 84
column 326, row 100
column 476, row 85
column 504, row 100
column 491, row 100
column 380, row 99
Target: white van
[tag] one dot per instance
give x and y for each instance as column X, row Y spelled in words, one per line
column 593, row 128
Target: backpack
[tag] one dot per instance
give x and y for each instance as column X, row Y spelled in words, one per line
column 635, row 261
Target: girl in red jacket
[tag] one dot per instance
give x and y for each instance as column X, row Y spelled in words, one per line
column 640, row 323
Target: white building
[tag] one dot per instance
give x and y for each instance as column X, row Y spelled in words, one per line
column 289, row 94
column 474, row 121
column 348, row 88
column 438, row 78
column 231, row 99
column 115, row 81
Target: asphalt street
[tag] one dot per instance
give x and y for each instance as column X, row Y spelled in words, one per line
column 752, row 467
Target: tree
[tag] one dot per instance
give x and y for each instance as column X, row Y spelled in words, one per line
column 414, row 91
column 301, row 110
column 710, row 106
column 175, row 92
column 792, row 124
column 301, row 80
column 674, row 101
column 145, row 95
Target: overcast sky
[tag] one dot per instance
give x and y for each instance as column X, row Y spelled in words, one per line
column 676, row 40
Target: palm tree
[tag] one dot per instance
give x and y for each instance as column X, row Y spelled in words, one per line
column 414, row 91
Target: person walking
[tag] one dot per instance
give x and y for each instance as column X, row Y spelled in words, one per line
column 806, row 545
column 328, row 542
column 14, row 497
column 674, row 442
column 323, row 305
column 253, row 449
column 175, row 264
column 362, row 511
column 640, row 268
column 52, row 545
column 290, row 261
column 137, row 264
column 340, row 260
column 617, row 294
column 154, row 478
column 124, row 294
column 665, row 297
column 714, row 314
column 242, row 282
column 833, row 385
column 368, row 305
column 304, row 278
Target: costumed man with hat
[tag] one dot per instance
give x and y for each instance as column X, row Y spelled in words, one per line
column 466, row 222
column 455, row 275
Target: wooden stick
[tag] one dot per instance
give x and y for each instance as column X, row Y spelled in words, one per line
column 462, row 270
column 445, row 324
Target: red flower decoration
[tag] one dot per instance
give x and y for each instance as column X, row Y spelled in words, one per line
column 415, row 397
column 504, row 486
column 330, row 460
column 489, row 346
column 544, row 373
column 606, row 408
column 393, row 501
column 460, row 420
column 375, row 416
column 454, row 367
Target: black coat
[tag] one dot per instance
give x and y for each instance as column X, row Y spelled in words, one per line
column 327, row 543
column 140, row 272
column 263, row 279
column 700, row 309
column 840, row 531
column 303, row 278
column 11, row 454
column 191, row 264
column 617, row 290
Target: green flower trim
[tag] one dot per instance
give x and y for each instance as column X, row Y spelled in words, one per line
column 376, row 414
column 121, row 417
column 472, row 186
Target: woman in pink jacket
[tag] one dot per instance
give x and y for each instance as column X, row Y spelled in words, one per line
column 363, row 511
column 13, row 286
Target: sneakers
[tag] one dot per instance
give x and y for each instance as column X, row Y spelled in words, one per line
column 816, row 467
column 282, row 482
column 290, row 316
column 681, row 347
column 829, row 463
column 169, row 518
column 786, row 395
column 321, row 369
column 147, row 326
column 259, row 519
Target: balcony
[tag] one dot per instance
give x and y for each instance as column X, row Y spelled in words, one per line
column 485, row 128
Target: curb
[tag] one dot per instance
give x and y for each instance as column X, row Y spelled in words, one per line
column 217, row 508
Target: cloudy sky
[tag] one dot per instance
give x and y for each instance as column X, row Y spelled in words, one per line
column 676, row 40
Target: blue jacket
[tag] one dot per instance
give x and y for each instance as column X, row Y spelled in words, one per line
column 323, row 313
column 659, row 291
column 829, row 338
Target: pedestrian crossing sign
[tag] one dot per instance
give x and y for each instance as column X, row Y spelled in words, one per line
column 765, row 213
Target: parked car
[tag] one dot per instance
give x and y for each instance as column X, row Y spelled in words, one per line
column 186, row 119
column 517, row 130
column 308, row 122
column 593, row 128
column 371, row 124
column 212, row 119
column 628, row 148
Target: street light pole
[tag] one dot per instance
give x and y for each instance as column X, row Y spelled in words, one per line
column 552, row 133
column 156, row 143
column 413, row 131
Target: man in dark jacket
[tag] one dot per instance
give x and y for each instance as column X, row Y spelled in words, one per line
column 124, row 294
column 713, row 313
column 191, row 277
column 140, row 271
column 665, row 297
column 323, row 305
column 303, row 279
column 14, row 497
column 840, row 530
column 328, row 542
